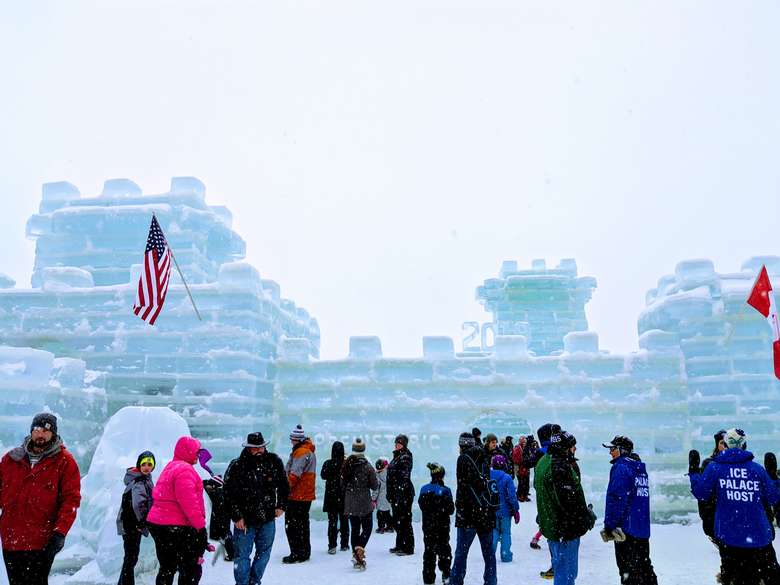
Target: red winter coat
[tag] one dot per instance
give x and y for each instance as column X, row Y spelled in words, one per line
column 37, row 501
column 178, row 496
column 517, row 459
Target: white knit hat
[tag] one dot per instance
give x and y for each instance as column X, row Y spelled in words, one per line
column 297, row 434
column 735, row 439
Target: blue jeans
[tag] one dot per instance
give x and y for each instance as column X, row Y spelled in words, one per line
column 503, row 532
column 262, row 538
column 564, row 559
column 465, row 538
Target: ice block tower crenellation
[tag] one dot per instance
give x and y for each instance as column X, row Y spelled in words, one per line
column 541, row 304
column 214, row 372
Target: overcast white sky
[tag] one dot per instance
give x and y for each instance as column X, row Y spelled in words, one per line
column 382, row 159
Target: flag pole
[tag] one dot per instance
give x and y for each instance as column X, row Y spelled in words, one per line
column 189, row 294
column 187, row 288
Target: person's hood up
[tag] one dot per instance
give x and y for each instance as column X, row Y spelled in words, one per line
column 133, row 474
column 187, row 450
column 337, row 450
column 734, row 457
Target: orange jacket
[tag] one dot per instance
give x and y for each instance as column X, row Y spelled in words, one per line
column 302, row 472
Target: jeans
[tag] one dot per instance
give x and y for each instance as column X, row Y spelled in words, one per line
column 503, row 532
column 464, row 540
column 633, row 561
column 132, row 546
column 565, row 555
column 26, row 567
column 296, row 525
column 262, row 538
column 361, row 527
column 337, row 524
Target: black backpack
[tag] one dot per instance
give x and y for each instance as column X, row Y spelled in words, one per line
column 486, row 495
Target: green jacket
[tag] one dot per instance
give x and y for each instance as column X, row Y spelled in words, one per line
column 560, row 501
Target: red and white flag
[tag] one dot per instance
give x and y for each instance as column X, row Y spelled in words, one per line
column 763, row 300
column 153, row 283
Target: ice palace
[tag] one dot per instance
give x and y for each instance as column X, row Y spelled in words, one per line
column 71, row 345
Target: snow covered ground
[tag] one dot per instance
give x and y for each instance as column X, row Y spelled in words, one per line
column 681, row 554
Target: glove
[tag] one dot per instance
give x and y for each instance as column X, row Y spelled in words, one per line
column 770, row 464
column 616, row 535
column 517, row 517
column 694, row 462
column 54, row 546
column 203, row 539
column 592, row 517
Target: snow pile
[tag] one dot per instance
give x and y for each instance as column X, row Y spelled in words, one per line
column 130, row 431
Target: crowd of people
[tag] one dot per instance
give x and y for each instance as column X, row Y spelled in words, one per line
column 739, row 503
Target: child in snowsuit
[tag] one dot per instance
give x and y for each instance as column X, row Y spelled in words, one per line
column 436, row 504
column 384, row 516
column 507, row 509
column 131, row 519
column 219, row 524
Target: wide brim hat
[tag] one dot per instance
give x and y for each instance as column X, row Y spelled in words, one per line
column 255, row 440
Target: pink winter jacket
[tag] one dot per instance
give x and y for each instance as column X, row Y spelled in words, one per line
column 178, row 495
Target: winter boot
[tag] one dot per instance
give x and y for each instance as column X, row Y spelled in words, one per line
column 344, row 547
column 535, row 544
column 332, row 551
column 548, row 574
column 359, row 558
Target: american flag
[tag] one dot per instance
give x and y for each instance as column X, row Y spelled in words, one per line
column 153, row 284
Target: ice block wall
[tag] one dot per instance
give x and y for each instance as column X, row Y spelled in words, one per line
column 214, row 372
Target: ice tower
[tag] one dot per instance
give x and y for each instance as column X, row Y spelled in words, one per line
column 541, row 304
column 87, row 261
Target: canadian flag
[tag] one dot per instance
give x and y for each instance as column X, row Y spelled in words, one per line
column 763, row 301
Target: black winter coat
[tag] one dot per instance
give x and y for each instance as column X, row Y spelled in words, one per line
column 359, row 479
column 400, row 489
column 255, row 486
column 219, row 523
column 333, row 503
column 472, row 469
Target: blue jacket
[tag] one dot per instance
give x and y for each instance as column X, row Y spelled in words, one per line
column 436, row 504
column 742, row 488
column 506, row 493
column 628, row 497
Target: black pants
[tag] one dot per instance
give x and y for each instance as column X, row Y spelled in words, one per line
column 361, row 527
column 437, row 547
column 633, row 561
column 749, row 566
column 384, row 519
column 27, row 567
column 132, row 544
column 178, row 550
column 404, row 535
column 523, row 486
column 296, row 526
column 337, row 525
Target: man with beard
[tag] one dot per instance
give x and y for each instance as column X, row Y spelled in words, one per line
column 40, row 491
column 256, row 491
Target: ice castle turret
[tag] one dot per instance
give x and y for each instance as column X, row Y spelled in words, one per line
column 87, row 262
column 541, row 304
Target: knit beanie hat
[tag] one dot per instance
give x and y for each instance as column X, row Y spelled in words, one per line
column 381, row 463
column 145, row 457
column 490, row 437
column 403, row 439
column 466, row 440
column 436, row 469
column 358, row 447
column 297, row 434
column 46, row 421
column 498, row 462
column 476, row 433
column 735, row 439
